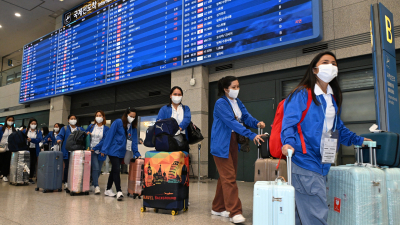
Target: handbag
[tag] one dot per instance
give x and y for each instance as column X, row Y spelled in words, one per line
column 239, row 138
column 3, row 147
column 194, row 134
column 246, row 146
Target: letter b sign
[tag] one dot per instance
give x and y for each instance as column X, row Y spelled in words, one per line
column 389, row 35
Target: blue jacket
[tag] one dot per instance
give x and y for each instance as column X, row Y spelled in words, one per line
column 166, row 112
column 115, row 142
column 100, row 144
column 36, row 140
column 223, row 124
column 1, row 133
column 63, row 136
column 311, row 126
column 51, row 136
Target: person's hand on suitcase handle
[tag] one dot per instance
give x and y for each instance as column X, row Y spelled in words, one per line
column 366, row 139
column 261, row 125
column 257, row 140
column 285, row 149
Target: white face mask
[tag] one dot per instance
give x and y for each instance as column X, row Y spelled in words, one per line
column 10, row 123
column 233, row 93
column 72, row 122
column 33, row 126
column 176, row 99
column 99, row 119
column 130, row 119
column 327, row 72
column 56, row 129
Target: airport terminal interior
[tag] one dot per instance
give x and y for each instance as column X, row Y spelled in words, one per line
column 172, row 112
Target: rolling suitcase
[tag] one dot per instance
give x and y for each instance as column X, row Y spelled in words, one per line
column 79, row 172
column 267, row 169
column 274, row 201
column 393, row 194
column 356, row 193
column 50, row 171
column 19, row 168
column 166, row 181
column 388, row 148
column 136, row 175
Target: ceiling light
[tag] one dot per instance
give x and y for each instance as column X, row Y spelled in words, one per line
column 61, row 0
column 17, row 14
column 0, row 26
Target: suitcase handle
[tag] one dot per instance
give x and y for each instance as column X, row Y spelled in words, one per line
column 289, row 166
column 372, row 153
column 260, row 131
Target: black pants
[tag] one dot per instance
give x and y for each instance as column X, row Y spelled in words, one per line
column 5, row 159
column 33, row 161
column 114, row 175
column 66, row 167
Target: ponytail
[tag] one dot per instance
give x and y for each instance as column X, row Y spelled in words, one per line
column 224, row 83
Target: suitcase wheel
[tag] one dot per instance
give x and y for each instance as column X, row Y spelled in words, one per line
column 156, row 210
column 139, row 197
column 174, row 212
column 143, row 209
column 44, row 190
column 36, row 189
column 66, row 190
column 185, row 209
column 86, row 193
column 129, row 195
column 71, row 193
column 134, row 196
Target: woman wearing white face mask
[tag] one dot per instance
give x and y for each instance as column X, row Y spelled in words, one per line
column 62, row 137
column 52, row 136
column 34, row 138
column 176, row 110
column 321, row 125
column 5, row 157
column 98, row 132
column 230, row 115
column 121, row 137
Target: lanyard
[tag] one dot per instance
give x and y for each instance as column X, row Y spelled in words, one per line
column 325, row 123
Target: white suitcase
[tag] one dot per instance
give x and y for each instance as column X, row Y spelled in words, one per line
column 274, row 202
column 356, row 193
column 393, row 194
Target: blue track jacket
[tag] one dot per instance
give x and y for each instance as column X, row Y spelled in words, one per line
column 223, row 124
column 115, row 142
column 311, row 126
column 100, row 144
column 63, row 136
column 53, row 139
column 36, row 140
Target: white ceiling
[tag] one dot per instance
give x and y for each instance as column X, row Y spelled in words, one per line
column 37, row 19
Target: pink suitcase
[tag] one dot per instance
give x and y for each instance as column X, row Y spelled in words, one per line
column 79, row 172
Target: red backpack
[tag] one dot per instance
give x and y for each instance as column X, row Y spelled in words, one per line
column 275, row 142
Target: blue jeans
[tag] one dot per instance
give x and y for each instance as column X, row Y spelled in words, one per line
column 96, row 166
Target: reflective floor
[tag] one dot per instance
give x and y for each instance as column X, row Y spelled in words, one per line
column 23, row 205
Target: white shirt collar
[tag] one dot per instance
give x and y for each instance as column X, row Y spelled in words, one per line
column 179, row 107
column 318, row 90
column 30, row 130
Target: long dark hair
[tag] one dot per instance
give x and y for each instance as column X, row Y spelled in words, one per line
column 125, row 118
column 172, row 91
column 45, row 131
column 309, row 81
column 224, row 83
column 5, row 124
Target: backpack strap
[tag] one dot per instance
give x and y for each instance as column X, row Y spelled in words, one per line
column 309, row 101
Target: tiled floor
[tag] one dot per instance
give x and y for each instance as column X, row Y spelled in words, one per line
column 23, row 205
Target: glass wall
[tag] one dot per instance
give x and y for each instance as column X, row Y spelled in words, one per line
column 10, row 76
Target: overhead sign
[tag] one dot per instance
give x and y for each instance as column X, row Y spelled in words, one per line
column 85, row 9
column 385, row 71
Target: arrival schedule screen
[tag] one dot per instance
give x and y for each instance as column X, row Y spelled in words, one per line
column 131, row 38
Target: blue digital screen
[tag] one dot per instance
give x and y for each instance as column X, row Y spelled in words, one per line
column 135, row 38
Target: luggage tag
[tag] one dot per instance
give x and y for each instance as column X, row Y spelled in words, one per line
column 26, row 169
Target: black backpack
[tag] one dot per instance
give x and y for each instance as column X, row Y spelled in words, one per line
column 17, row 141
column 76, row 141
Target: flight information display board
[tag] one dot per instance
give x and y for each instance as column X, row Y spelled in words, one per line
column 134, row 38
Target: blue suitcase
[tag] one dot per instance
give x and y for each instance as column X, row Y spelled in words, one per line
column 274, row 201
column 357, row 193
column 388, row 152
column 49, row 173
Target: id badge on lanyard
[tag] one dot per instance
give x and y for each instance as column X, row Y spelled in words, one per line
column 128, row 142
column 329, row 142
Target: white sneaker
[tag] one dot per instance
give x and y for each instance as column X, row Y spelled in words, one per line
column 120, row 196
column 109, row 193
column 223, row 214
column 91, row 188
column 5, row 179
column 97, row 190
column 238, row 219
